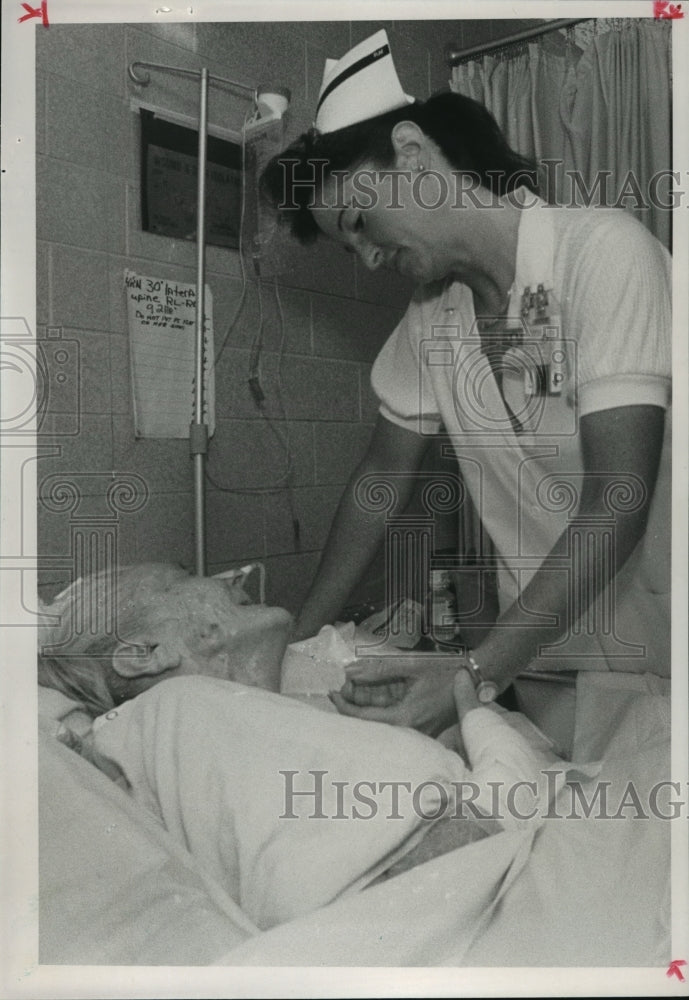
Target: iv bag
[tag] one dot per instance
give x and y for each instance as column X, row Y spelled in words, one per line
column 263, row 242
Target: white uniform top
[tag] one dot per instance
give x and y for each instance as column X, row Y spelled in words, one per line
column 609, row 314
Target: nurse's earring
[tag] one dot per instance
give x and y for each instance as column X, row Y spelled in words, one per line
column 420, row 168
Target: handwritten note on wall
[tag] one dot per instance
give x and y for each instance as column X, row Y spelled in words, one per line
column 161, row 316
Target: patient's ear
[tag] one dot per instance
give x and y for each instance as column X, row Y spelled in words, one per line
column 143, row 660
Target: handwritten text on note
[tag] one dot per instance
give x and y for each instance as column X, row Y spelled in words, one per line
column 161, row 316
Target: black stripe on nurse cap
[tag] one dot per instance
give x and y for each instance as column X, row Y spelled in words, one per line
column 360, row 85
column 351, row 70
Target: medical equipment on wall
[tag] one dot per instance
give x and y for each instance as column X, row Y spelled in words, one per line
column 269, row 104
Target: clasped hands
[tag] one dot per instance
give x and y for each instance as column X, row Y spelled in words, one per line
column 415, row 690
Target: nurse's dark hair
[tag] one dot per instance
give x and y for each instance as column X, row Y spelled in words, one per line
column 463, row 129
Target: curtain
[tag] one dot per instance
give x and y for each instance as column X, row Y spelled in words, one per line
column 597, row 121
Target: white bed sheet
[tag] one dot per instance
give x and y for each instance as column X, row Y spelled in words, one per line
column 118, row 888
column 574, row 892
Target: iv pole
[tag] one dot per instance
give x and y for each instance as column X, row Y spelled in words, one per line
column 198, row 430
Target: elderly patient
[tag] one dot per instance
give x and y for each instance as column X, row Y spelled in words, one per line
column 245, row 778
column 117, row 633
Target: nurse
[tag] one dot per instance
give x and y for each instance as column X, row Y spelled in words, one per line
column 538, row 339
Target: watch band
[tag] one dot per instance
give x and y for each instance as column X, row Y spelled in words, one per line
column 486, row 691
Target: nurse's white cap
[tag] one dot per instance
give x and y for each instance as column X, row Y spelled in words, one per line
column 360, row 85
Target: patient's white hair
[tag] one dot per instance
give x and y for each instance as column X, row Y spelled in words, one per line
column 92, row 616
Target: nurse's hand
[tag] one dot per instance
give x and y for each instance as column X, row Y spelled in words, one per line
column 422, row 701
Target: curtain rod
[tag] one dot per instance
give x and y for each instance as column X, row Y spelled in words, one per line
column 454, row 56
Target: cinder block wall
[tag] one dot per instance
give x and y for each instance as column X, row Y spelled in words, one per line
column 337, row 315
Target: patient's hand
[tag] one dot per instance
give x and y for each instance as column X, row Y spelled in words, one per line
column 422, row 700
column 404, row 689
column 381, row 695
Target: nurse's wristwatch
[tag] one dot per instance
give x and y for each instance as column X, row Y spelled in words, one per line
column 486, row 691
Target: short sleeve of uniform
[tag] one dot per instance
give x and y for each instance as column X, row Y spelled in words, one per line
column 619, row 301
column 400, row 377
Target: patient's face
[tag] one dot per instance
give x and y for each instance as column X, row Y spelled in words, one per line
column 194, row 625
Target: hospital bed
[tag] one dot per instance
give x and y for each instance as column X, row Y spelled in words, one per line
column 117, row 888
